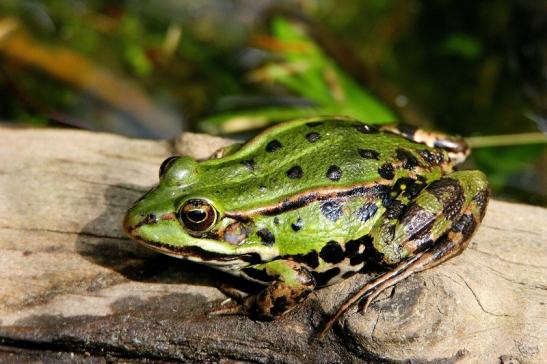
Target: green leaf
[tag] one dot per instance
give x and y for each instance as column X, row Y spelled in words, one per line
column 318, row 78
column 240, row 121
column 462, row 45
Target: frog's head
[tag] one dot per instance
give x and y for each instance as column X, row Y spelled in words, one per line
column 179, row 219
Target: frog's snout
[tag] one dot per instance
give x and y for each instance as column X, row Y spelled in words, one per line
column 130, row 222
column 134, row 219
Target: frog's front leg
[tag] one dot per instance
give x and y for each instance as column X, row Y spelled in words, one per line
column 436, row 226
column 291, row 284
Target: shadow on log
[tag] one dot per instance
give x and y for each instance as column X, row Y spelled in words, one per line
column 73, row 287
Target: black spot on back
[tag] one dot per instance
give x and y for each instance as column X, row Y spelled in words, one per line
column 413, row 190
column 273, row 146
column 323, row 278
column 433, row 158
column 249, row 164
column 409, row 160
column 409, row 187
column 276, row 220
column 367, row 211
column 295, row 172
column 266, row 236
column 296, row 226
column 332, row 252
column 334, row 173
column 368, row 153
column 365, row 129
column 386, row 171
column 313, row 137
column 332, row 210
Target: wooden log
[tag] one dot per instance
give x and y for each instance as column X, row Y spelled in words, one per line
column 73, row 287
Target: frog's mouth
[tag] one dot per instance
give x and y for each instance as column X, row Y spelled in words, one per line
column 164, row 235
column 197, row 254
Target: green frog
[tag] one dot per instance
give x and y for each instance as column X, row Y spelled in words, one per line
column 310, row 202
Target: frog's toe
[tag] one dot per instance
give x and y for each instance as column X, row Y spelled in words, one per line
column 232, row 309
column 366, row 301
column 233, row 293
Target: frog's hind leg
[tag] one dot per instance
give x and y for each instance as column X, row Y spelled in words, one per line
column 233, row 293
column 435, row 227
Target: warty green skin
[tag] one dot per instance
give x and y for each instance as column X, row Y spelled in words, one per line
column 309, row 202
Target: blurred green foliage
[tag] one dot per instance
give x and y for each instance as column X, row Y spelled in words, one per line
column 303, row 69
column 468, row 68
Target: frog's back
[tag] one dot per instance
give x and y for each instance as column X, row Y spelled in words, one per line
column 315, row 157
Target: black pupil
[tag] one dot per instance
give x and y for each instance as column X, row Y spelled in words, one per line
column 196, row 215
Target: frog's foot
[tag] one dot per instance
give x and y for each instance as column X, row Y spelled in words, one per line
column 233, row 308
column 435, row 227
column 292, row 284
column 448, row 246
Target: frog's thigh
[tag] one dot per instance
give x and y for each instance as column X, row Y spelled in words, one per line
column 292, row 285
column 458, row 226
column 454, row 204
column 432, row 239
column 463, row 224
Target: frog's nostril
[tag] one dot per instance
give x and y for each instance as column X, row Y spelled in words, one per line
column 150, row 219
column 133, row 221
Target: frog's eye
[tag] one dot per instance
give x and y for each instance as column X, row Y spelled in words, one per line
column 197, row 216
column 166, row 163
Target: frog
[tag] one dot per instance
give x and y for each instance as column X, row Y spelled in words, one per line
column 311, row 202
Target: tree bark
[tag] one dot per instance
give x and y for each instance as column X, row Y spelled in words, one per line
column 73, row 287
